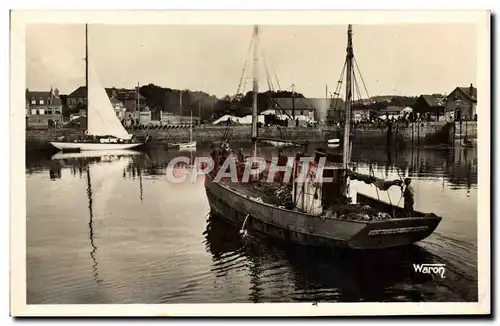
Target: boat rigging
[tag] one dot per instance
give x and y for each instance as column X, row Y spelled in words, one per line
column 313, row 211
column 104, row 129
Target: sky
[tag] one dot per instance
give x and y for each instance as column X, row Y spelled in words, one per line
column 397, row 59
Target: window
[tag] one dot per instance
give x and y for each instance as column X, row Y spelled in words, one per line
column 37, row 112
column 42, row 111
column 49, row 111
column 57, row 112
column 41, row 101
column 33, row 101
column 33, row 111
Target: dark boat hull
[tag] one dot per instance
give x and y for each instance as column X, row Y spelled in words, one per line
column 311, row 230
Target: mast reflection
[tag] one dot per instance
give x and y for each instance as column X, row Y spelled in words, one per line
column 91, row 228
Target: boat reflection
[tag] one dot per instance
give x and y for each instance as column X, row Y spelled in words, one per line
column 313, row 274
column 98, row 166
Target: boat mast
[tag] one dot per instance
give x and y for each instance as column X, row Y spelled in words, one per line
column 191, row 128
column 255, row 89
column 347, row 118
column 180, row 106
column 86, row 77
column 137, row 107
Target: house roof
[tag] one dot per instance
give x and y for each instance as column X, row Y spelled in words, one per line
column 432, row 101
column 128, row 95
column 470, row 92
column 80, row 92
column 392, row 108
column 42, row 94
column 286, row 103
column 36, row 94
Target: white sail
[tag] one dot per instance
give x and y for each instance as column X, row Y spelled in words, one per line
column 102, row 119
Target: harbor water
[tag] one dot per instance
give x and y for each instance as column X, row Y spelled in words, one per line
column 113, row 229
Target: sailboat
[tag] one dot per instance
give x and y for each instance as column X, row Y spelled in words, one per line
column 191, row 145
column 313, row 213
column 104, row 129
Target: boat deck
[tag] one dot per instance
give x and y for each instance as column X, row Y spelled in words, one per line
column 260, row 191
column 274, row 194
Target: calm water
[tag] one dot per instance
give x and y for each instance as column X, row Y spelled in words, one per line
column 114, row 230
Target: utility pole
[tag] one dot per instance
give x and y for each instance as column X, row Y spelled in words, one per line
column 180, row 106
column 199, row 110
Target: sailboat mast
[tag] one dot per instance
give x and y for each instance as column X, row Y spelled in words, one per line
column 87, row 76
column 348, row 102
column 348, row 98
column 137, row 108
column 255, row 88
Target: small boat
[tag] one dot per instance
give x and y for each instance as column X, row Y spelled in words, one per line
column 278, row 144
column 281, row 144
column 191, row 144
column 314, row 213
column 104, row 129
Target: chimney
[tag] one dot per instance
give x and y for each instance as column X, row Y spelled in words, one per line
column 56, row 92
column 471, row 89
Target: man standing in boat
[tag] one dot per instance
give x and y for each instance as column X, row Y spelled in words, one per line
column 408, row 195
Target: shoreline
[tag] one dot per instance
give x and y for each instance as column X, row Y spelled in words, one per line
column 422, row 134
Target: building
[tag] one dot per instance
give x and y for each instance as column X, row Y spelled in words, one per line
column 43, row 109
column 120, row 110
column 310, row 109
column 429, row 104
column 390, row 112
column 461, row 103
column 360, row 112
column 128, row 97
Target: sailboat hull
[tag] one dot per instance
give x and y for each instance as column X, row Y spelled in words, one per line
column 93, row 146
column 189, row 145
column 312, row 230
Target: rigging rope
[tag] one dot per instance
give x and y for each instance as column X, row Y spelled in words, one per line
column 362, row 80
column 338, row 88
column 245, row 66
column 268, row 75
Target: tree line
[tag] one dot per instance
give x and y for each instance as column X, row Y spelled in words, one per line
column 206, row 105
column 210, row 107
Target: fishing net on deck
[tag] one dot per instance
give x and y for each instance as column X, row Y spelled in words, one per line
column 355, row 212
column 273, row 193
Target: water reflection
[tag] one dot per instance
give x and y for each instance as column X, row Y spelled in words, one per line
column 88, row 161
column 55, row 171
column 151, row 243
column 310, row 274
column 91, row 228
column 458, row 166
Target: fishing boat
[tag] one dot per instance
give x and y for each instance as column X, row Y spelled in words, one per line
column 104, row 129
column 314, row 213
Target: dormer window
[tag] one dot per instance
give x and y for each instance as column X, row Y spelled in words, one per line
column 41, row 101
column 33, row 101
